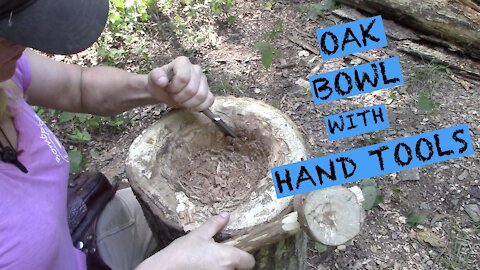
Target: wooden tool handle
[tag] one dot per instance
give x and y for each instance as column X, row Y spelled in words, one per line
column 267, row 234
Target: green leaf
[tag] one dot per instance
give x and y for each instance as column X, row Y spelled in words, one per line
column 320, row 247
column 373, row 197
column 40, row 112
column 319, row 9
column 266, row 50
column 116, row 121
column 414, row 218
column 425, row 102
column 276, row 103
column 267, row 58
column 83, row 117
column 66, row 116
column 368, row 182
column 81, row 136
column 75, row 158
column 93, row 122
column 269, row 5
column 231, row 20
column 120, row 4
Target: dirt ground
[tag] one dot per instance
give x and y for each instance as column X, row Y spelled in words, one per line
column 233, row 65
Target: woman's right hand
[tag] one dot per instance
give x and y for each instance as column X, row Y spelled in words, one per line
column 198, row 250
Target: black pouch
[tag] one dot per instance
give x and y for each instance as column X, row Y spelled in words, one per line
column 88, row 194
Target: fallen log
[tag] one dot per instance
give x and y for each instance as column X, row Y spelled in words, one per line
column 444, row 22
column 331, row 216
column 465, row 67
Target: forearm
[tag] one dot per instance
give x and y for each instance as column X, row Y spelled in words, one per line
column 110, row 91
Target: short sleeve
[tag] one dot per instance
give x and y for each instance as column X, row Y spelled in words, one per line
column 23, row 73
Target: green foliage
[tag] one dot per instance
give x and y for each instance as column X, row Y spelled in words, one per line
column 127, row 22
column 125, row 13
column 267, row 51
column 319, row 9
column 368, row 182
column 75, row 158
column 414, row 218
column 371, row 193
column 426, row 102
column 266, row 47
column 66, row 116
column 231, row 20
column 79, row 125
column 273, row 34
column 460, row 253
column 320, row 248
column 80, row 135
column 89, row 121
column 276, row 103
column 77, row 128
column 226, row 87
column 428, row 75
column 269, row 5
column 373, row 197
column 220, row 6
column 392, row 95
column 194, row 20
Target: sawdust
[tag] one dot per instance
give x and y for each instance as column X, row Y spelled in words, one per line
column 217, row 171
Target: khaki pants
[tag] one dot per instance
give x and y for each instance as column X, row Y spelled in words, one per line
column 124, row 238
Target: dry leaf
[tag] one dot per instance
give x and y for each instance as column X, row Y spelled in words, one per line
column 465, row 84
column 431, row 238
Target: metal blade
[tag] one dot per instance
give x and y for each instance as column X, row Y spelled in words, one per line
column 219, row 122
column 216, row 119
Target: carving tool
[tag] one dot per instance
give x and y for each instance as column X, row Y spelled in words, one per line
column 207, row 112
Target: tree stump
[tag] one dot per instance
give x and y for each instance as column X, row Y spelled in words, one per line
column 183, row 169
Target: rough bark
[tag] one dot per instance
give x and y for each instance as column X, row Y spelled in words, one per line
column 288, row 254
column 447, row 23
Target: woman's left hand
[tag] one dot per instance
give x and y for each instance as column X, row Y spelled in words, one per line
column 188, row 88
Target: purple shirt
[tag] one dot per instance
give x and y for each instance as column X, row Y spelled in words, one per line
column 33, row 218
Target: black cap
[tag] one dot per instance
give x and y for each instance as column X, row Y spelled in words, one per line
column 53, row 26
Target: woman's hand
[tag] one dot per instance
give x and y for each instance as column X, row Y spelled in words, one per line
column 197, row 250
column 188, row 88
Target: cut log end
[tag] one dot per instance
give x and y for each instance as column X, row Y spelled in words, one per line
column 331, row 216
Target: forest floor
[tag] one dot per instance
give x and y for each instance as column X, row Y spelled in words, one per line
column 421, row 223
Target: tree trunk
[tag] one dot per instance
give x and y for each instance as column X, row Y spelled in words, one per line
column 187, row 145
column 445, row 22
